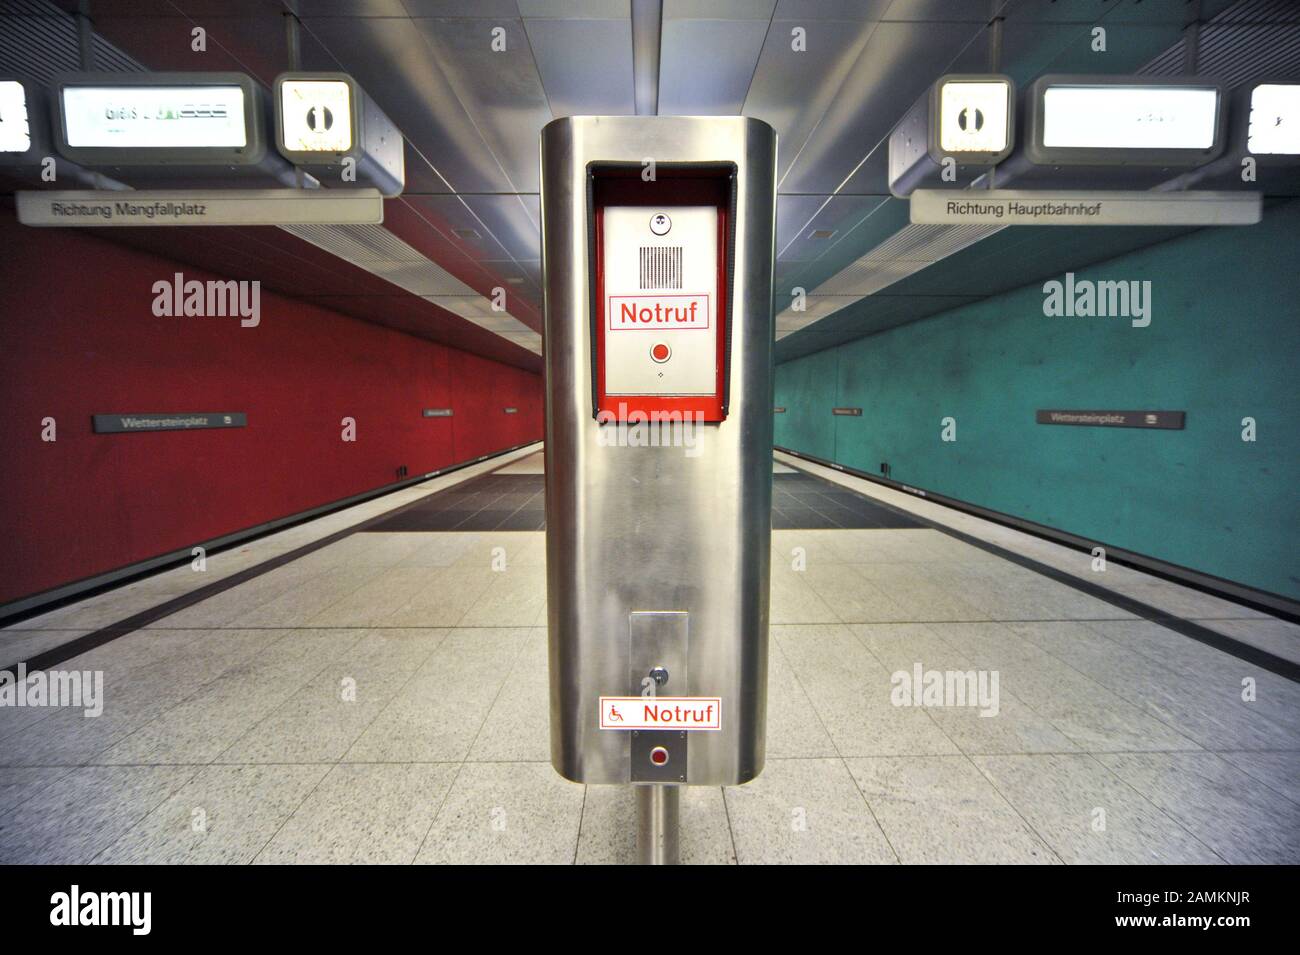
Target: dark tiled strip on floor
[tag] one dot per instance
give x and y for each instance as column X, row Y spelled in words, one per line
column 97, row 638
column 505, row 502
column 1242, row 651
column 432, row 514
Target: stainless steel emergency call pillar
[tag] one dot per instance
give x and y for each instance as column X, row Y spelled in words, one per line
column 657, row 247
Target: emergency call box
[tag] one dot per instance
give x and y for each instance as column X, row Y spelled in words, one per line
column 657, row 255
column 661, row 295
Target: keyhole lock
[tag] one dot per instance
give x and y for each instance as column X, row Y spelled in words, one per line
column 659, row 675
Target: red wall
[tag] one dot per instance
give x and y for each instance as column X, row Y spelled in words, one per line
column 78, row 337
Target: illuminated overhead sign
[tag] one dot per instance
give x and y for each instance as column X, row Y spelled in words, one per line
column 203, row 123
column 962, row 125
column 975, row 115
column 1273, row 127
column 15, row 132
column 1125, row 120
column 1120, row 117
column 154, row 117
column 315, row 115
column 326, row 125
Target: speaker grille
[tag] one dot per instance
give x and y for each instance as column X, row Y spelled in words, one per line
column 661, row 266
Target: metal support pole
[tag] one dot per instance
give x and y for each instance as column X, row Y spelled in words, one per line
column 85, row 36
column 657, row 819
column 1192, row 40
column 995, row 66
column 293, row 58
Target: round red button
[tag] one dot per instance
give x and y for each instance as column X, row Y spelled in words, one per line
column 660, row 352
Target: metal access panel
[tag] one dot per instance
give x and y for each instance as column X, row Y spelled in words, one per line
column 657, row 250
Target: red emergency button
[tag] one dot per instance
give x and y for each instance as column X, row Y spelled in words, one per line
column 659, row 756
column 661, row 352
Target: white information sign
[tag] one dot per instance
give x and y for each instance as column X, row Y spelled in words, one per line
column 191, row 208
column 1041, row 207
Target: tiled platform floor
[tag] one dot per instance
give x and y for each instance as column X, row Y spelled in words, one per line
column 383, row 699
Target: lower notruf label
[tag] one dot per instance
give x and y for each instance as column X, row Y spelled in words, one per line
column 660, row 713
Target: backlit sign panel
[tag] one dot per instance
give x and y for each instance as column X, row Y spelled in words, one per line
column 15, row 133
column 1129, row 117
column 974, row 116
column 316, row 115
column 154, row 117
column 1274, row 125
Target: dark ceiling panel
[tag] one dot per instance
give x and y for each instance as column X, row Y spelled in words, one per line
column 899, row 62
column 585, row 65
column 247, row 40
column 501, row 92
column 393, row 62
column 792, row 89
column 868, row 316
column 878, row 224
column 427, row 222
column 705, row 65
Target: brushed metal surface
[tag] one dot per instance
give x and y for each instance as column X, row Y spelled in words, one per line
column 658, row 814
column 650, row 528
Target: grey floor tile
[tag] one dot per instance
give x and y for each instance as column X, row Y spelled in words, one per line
column 1002, row 725
column 1278, row 637
column 793, row 726
column 941, row 809
column 513, row 598
column 852, row 598
column 1087, row 814
column 517, row 728
column 1280, row 771
column 324, row 718
column 443, row 600
column 921, row 594
column 222, row 816
column 17, row 646
column 135, row 692
column 512, row 813
column 609, row 827
column 804, row 811
column 1231, row 812
column 1207, row 711
column 20, row 783
column 84, row 811
column 793, row 601
column 374, row 602
column 438, row 713
column 371, row 813
column 1091, row 716
column 203, row 726
column 851, row 693
column 1273, row 698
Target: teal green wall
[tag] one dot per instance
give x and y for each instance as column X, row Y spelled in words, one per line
column 1223, row 344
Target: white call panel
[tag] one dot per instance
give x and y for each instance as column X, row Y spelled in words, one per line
column 661, row 300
